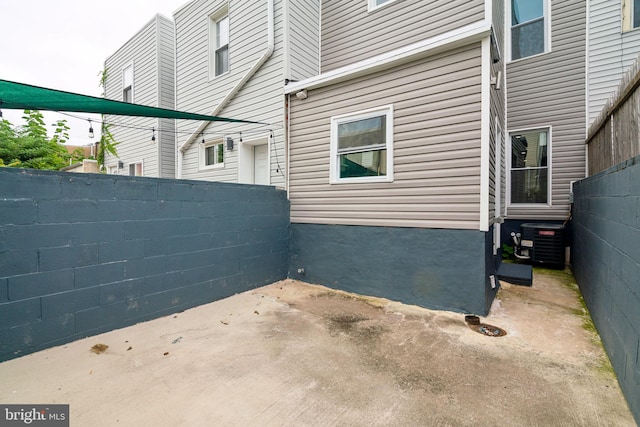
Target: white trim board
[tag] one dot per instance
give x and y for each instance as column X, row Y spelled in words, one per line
column 485, row 136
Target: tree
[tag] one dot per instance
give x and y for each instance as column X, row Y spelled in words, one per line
column 107, row 144
column 8, row 144
column 28, row 146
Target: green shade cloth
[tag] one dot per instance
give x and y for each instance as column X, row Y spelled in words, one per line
column 20, row 96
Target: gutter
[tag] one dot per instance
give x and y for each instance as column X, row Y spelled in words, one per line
column 229, row 96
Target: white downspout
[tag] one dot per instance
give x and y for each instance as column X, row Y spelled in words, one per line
column 177, row 159
column 229, row 96
column 287, row 142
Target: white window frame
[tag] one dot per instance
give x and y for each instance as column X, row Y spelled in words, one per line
column 334, row 174
column 112, row 170
column 124, row 83
column 509, row 144
column 141, row 163
column 628, row 9
column 373, row 6
column 546, row 11
column 497, row 173
column 203, row 154
column 213, row 41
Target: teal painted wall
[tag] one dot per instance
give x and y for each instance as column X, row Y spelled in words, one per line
column 606, row 264
column 84, row 254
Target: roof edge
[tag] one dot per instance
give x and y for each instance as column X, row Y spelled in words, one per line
column 150, row 23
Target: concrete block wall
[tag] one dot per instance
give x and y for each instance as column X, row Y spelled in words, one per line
column 606, row 264
column 435, row 268
column 84, row 254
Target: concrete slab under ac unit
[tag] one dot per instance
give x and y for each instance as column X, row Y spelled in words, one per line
column 518, row 274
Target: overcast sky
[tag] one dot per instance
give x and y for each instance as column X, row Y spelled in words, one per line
column 62, row 44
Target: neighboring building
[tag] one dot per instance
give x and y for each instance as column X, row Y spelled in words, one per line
column 233, row 58
column 88, row 151
column 558, row 82
column 546, row 108
column 613, row 46
column 396, row 152
column 85, row 166
column 142, row 72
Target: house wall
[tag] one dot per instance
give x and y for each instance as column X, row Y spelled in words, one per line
column 606, row 264
column 426, row 267
column 350, row 33
column 437, row 105
column 166, row 138
column 497, row 132
column 549, row 90
column 84, row 254
column 611, row 52
column 261, row 99
column 400, row 239
column 304, row 39
column 85, row 166
column 167, row 92
column 151, row 53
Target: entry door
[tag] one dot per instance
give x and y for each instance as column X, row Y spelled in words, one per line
column 261, row 164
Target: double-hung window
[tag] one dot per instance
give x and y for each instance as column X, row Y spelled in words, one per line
column 127, row 84
column 529, row 32
column 362, row 146
column 530, row 177
column 219, row 42
column 212, row 155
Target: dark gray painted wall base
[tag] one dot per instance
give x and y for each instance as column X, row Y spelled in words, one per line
column 606, row 264
column 441, row 269
column 84, row 254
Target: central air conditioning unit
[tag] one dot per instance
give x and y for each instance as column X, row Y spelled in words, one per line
column 544, row 244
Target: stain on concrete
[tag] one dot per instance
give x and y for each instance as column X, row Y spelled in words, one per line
column 99, row 348
column 440, row 367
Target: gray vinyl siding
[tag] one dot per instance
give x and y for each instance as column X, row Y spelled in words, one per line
column 261, row 99
column 166, row 90
column 167, row 151
column 150, row 51
column 611, row 52
column 548, row 90
column 437, row 105
column 166, row 58
column 304, row 39
column 351, row 33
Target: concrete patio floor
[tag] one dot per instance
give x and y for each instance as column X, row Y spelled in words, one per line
column 297, row 354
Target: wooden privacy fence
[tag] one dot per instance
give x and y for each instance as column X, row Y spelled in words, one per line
column 615, row 135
